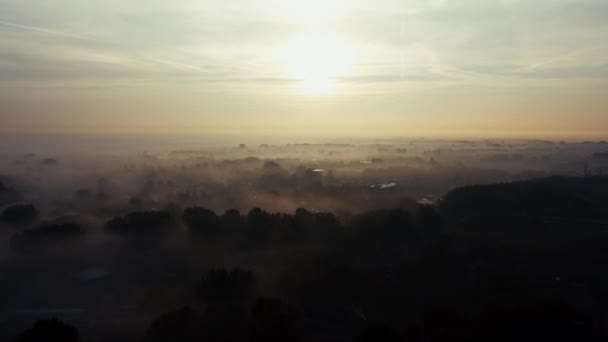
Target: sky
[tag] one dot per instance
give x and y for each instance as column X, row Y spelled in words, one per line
column 318, row 67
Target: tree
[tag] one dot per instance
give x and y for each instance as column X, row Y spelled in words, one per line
column 273, row 320
column 221, row 284
column 141, row 222
column 428, row 221
column 232, row 218
column 51, row 330
column 46, row 233
column 181, row 325
column 379, row 334
column 20, row 214
column 202, row 221
column 7, row 194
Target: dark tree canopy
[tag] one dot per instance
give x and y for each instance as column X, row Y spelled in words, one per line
column 388, row 225
column 564, row 197
column 20, row 214
column 4, row 188
column 182, row 325
column 271, row 165
column 201, row 221
column 232, row 218
column 51, row 330
column 7, row 194
column 141, row 222
column 274, row 320
column 258, row 217
column 428, row 221
column 223, row 284
column 47, row 233
column 49, row 161
column 379, row 334
column 421, row 274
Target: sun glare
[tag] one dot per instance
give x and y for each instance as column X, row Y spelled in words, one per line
column 318, row 60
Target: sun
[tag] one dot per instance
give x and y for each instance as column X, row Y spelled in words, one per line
column 318, row 60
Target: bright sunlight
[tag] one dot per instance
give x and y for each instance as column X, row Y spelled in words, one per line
column 318, row 60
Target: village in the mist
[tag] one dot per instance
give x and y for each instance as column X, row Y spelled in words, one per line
column 348, row 176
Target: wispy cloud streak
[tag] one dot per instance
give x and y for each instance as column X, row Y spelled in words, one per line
column 44, row 30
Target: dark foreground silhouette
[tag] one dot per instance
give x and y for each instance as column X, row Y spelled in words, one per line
column 51, row 330
column 521, row 261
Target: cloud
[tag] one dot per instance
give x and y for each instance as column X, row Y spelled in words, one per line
column 411, row 55
column 203, row 37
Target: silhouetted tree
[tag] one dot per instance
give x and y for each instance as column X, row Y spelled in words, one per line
column 141, row 222
column 7, row 194
column 304, row 218
column 445, row 325
column 202, row 221
column 251, row 160
column 51, row 330
column 379, row 334
column 273, row 320
column 271, row 166
column 222, row 284
column 232, row 219
column 260, row 227
column 383, row 227
column 20, row 214
column 49, row 161
column 548, row 321
column 428, row 221
column 4, row 188
column 258, row 217
column 183, row 325
column 326, row 220
column 46, row 233
column 564, row 197
column 136, row 202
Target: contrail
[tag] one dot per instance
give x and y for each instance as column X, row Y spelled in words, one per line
column 136, row 57
column 45, row 30
column 563, row 57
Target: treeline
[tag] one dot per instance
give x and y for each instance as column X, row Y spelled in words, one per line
column 561, row 197
column 257, row 228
